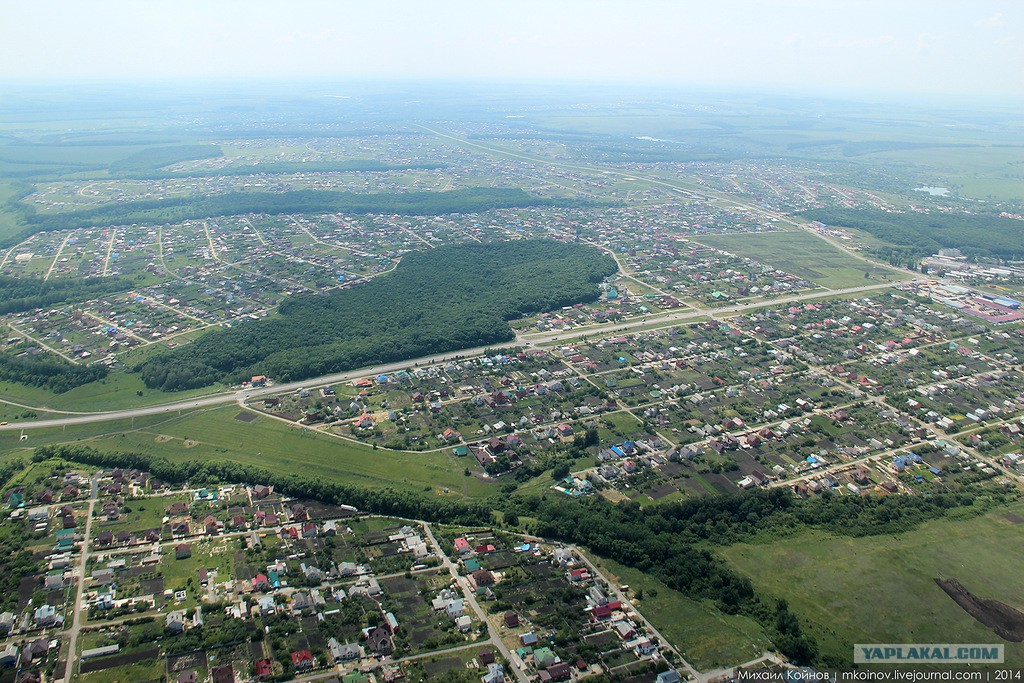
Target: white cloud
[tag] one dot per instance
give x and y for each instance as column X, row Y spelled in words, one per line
column 993, row 22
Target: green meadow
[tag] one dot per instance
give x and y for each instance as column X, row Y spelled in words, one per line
column 804, row 255
column 882, row 589
column 264, row 442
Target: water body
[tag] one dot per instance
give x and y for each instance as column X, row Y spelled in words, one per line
column 933, row 191
column 650, row 139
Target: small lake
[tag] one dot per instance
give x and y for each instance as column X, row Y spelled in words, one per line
column 933, row 191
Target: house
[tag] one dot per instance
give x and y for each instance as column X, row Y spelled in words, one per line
column 103, row 577
column 6, row 623
column 544, row 657
column 344, row 653
column 602, row 612
column 379, row 640
column 454, row 609
column 176, row 621
column 302, row 603
column 482, row 577
column 528, row 639
column 182, row 551
column 668, row 677
column 463, row 623
column 37, row 649
column 39, row 514
column 45, row 615
column 312, row 573
column 299, row 513
column 264, row 669
column 9, row 655
column 188, row 677
column 260, row 582
column 175, row 509
column 212, row 526
column 223, row 674
column 303, row 660
column 642, row 646
column 625, row 630
column 495, row 673
column 266, row 605
column 577, row 575
column 557, row 672
column 511, row 619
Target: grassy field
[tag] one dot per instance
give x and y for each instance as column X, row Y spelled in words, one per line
column 141, row 672
column 803, row 255
column 264, row 442
column 882, row 589
column 10, row 225
column 706, row 637
column 119, row 390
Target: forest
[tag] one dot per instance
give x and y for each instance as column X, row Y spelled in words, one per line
column 47, row 371
column 154, row 158
column 985, row 235
column 672, row 541
column 446, row 299
column 19, row 294
column 274, row 167
column 177, row 209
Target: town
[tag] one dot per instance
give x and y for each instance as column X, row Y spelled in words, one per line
column 136, row 577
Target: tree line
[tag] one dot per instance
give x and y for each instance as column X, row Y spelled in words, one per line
column 925, row 233
column 445, row 299
column 48, row 372
column 281, row 167
column 178, row 209
column 19, row 294
column 153, row 158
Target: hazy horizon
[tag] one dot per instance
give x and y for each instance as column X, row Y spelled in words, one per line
column 832, row 48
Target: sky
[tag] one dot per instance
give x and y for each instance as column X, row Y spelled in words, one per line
column 936, row 47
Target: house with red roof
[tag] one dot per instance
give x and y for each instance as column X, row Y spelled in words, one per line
column 264, row 669
column 303, row 660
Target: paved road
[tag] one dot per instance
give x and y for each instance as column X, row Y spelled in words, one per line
column 225, row 398
column 76, row 622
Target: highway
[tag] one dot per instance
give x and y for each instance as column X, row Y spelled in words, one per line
column 522, row 340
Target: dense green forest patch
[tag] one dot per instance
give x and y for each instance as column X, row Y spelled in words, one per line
column 274, row 167
column 177, row 209
column 47, row 371
column 153, row 158
column 19, row 294
column 446, row 299
column 926, row 233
